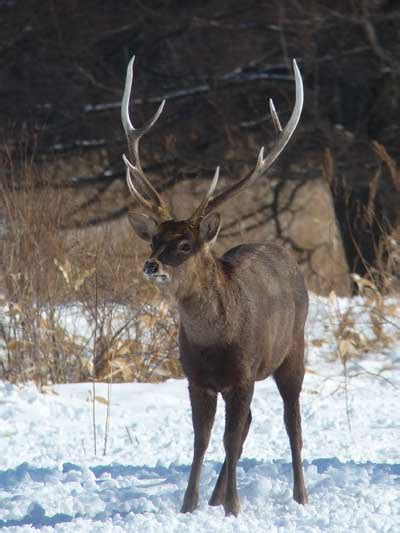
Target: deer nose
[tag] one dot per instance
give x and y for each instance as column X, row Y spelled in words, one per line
column 150, row 267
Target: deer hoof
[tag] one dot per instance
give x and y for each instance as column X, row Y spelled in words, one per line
column 300, row 496
column 217, row 498
column 188, row 508
column 232, row 508
column 190, row 500
column 214, row 502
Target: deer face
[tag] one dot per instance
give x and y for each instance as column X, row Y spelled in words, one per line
column 175, row 245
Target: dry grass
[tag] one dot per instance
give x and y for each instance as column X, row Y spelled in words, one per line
column 51, row 282
column 369, row 324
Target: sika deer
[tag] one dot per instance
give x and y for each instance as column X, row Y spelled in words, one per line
column 241, row 315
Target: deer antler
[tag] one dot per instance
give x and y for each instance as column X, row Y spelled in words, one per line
column 263, row 164
column 155, row 205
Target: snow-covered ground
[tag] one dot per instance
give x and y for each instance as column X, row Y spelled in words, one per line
column 51, row 479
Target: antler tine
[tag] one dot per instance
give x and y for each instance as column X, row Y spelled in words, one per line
column 134, row 135
column 199, row 212
column 136, row 194
column 263, row 164
column 274, row 115
column 158, row 210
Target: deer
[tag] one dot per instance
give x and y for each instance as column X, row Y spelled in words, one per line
column 241, row 316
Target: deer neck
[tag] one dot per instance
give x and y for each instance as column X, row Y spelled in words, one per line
column 206, row 300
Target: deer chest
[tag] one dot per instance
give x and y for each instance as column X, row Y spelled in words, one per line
column 217, row 367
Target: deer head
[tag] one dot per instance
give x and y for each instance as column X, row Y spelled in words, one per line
column 177, row 245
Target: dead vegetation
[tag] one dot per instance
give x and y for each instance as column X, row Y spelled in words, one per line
column 71, row 307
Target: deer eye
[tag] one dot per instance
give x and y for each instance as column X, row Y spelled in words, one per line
column 185, row 247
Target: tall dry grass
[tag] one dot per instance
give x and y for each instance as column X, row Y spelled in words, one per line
column 73, row 307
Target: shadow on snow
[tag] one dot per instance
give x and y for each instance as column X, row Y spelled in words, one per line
column 146, row 489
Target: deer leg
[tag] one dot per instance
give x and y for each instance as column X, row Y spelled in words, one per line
column 204, row 405
column 237, row 408
column 219, row 492
column 289, row 379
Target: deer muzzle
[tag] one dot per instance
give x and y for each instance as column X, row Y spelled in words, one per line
column 154, row 272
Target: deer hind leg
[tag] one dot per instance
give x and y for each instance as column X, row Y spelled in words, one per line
column 204, row 405
column 237, row 408
column 289, row 379
column 219, row 492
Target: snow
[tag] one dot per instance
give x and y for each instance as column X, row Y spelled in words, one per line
column 50, row 478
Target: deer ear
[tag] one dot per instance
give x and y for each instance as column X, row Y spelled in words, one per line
column 145, row 227
column 209, row 228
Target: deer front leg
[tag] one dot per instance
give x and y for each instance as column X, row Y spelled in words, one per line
column 219, row 492
column 204, row 404
column 237, row 411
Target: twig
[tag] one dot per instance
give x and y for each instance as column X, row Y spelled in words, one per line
column 371, row 35
column 108, row 415
column 130, row 436
column 373, row 374
column 342, row 357
column 346, row 391
column 94, row 358
column 380, row 151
